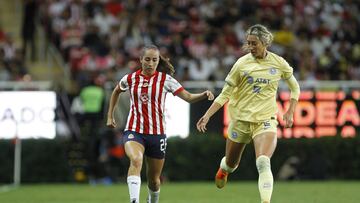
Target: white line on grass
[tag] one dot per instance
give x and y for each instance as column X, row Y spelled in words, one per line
column 7, row 188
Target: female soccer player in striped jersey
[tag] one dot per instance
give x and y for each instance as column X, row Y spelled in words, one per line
column 250, row 89
column 145, row 129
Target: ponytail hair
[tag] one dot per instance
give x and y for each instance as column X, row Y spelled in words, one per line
column 164, row 63
column 165, row 66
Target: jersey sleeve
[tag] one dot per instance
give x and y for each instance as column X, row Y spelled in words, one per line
column 233, row 78
column 294, row 88
column 224, row 95
column 172, row 85
column 123, row 83
column 287, row 70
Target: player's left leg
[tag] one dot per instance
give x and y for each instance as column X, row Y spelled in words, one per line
column 154, row 167
column 265, row 144
column 155, row 158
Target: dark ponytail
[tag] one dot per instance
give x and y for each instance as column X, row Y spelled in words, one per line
column 165, row 66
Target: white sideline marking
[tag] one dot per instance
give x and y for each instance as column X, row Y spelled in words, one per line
column 7, row 188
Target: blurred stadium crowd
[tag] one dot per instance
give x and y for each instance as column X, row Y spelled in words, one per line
column 203, row 38
column 12, row 66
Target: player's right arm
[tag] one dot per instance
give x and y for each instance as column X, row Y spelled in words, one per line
column 122, row 86
column 215, row 106
column 231, row 82
column 114, row 97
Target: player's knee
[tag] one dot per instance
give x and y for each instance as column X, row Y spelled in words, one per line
column 263, row 163
column 136, row 161
column 154, row 184
column 226, row 167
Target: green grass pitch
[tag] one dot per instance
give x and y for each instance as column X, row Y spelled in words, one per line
column 187, row 192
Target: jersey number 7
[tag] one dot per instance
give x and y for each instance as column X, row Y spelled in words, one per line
column 256, row 89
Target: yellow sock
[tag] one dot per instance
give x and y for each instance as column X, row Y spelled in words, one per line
column 266, row 179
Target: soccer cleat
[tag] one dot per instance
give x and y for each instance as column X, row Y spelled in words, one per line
column 221, row 178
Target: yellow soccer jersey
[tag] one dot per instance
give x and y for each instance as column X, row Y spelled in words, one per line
column 251, row 87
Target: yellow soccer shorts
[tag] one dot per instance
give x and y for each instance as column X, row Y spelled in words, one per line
column 244, row 131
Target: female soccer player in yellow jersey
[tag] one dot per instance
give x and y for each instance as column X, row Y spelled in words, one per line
column 250, row 90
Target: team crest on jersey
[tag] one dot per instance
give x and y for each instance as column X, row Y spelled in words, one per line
column 250, row 79
column 145, row 83
column 234, row 135
column 267, row 125
column 272, row 71
column 144, row 97
column 131, row 136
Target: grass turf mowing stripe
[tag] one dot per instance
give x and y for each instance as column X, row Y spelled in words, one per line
column 189, row 192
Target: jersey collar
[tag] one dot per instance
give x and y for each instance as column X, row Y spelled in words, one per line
column 263, row 59
column 138, row 72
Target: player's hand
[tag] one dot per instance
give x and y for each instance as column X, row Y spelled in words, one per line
column 289, row 119
column 111, row 123
column 209, row 95
column 201, row 124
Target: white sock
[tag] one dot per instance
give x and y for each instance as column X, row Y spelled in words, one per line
column 225, row 167
column 266, row 179
column 154, row 196
column 134, row 183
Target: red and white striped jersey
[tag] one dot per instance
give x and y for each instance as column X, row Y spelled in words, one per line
column 147, row 96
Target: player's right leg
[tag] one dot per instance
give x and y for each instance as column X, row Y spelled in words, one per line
column 230, row 162
column 134, row 149
column 238, row 137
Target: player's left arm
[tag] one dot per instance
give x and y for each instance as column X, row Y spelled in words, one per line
column 172, row 85
column 294, row 97
column 288, row 76
column 191, row 98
